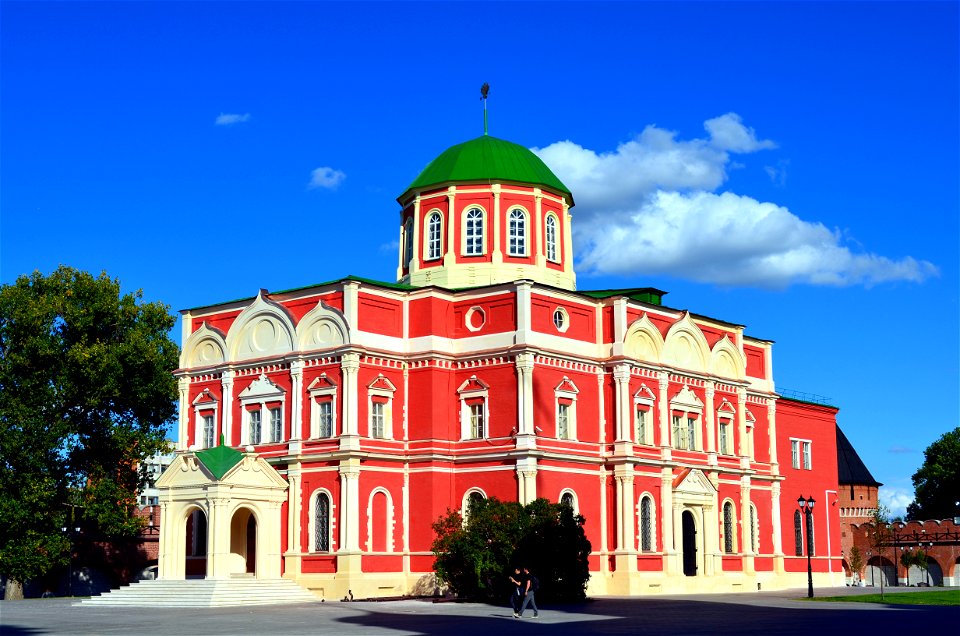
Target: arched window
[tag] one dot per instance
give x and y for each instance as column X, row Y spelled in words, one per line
column 321, row 523
column 474, row 232
column 408, row 242
column 470, row 499
column 753, row 529
column 646, row 524
column 728, row 528
column 551, row 238
column 567, row 499
column 811, row 543
column 518, row 233
column 798, row 532
column 434, row 240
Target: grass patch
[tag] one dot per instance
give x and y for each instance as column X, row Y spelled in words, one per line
column 934, row 597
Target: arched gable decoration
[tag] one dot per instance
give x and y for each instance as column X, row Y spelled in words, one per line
column 727, row 361
column 686, row 400
column 323, row 327
column 265, row 328
column 643, row 341
column 204, row 347
column 685, row 346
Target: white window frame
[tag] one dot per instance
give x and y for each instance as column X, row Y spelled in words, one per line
column 331, row 522
column 203, row 403
column 517, row 232
column 388, row 523
column 653, row 522
column 319, row 390
column 560, row 319
column 733, row 527
column 643, row 400
column 465, row 501
column 566, row 390
column 471, row 390
column 552, row 224
column 754, row 530
column 726, row 422
column 408, row 246
column 689, row 406
column 801, row 453
column 751, row 421
column 263, row 394
column 467, row 235
column 387, row 407
column 572, row 494
column 433, row 239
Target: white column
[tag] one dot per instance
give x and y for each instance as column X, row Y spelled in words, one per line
column 494, row 224
column 567, row 243
column 226, row 385
column 744, row 451
column 296, row 387
column 745, row 533
column 524, row 364
column 450, row 254
column 604, row 521
column 183, row 427
column 349, row 437
column 666, row 519
column 537, row 245
column 416, row 244
column 775, row 527
column 772, row 434
column 621, row 376
column 350, row 505
column 663, row 382
column 710, row 420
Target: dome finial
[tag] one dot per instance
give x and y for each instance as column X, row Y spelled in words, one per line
column 484, row 90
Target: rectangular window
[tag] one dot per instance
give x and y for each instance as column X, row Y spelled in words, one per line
column 807, row 463
column 254, row 426
column 208, row 441
column 724, row 437
column 326, row 418
column 476, row 420
column 795, row 453
column 276, row 424
column 563, row 421
column 691, row 433
column 377, row 420
column 678, row 439
column 641, row 426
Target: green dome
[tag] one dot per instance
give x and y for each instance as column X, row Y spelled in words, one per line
column 488, row 159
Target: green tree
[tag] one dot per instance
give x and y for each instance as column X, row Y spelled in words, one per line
column 475, row 556
column 855, row 561
column 86, row 393
column 881, row 536
column 936, row 484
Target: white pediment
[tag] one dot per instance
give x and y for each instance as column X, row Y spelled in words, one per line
column 261, row 388
column 686, row 399
column 695, row 483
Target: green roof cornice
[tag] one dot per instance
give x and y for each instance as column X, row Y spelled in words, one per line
column 488, row 159
column 219, row 459
column 648, row 295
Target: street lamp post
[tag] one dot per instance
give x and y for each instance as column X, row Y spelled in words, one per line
column 806, row 507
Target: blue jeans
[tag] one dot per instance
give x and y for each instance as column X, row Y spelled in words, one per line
column 529, row 600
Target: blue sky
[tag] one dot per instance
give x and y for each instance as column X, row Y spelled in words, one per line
column 790, row 167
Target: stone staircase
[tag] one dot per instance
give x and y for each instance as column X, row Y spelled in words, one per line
column 203, row 593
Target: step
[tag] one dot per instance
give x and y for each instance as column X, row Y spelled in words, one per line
column 204, row 593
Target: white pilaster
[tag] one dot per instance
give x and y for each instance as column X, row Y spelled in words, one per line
column 226, row 386
column 183, row 420
column 350, row 437
column 296, row 384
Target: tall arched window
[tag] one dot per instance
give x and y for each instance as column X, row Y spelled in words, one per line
column 728, row 528
column 551, row 238
column 321, row 523
column 798, row 532
column 646, row 524
column 408, row 242
column 518, row 233
column 474, row 232
column 433, row 236
column 753, row 529
column 811, row 544
column 567, row 499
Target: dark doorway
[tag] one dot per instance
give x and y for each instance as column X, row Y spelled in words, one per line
column 689, row 544
column 251, row 545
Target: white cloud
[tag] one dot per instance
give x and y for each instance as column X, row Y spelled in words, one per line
column 326, row 177
column 651, row 207
column 229, row 119
column 896, row 500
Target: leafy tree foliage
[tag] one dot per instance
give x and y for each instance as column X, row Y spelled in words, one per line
column 937, row 483
column 476, row 556
column 855, row 561
column 86, row 393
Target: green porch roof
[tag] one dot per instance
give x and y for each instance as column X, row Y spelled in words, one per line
column 219, row 459
column 488, row 159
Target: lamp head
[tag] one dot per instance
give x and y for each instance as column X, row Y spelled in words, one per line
column 810, row 502
column 801, row 502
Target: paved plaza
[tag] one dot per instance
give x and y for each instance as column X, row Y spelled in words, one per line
column 761, row 613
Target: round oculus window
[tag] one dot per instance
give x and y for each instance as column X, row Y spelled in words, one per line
column 560, row 319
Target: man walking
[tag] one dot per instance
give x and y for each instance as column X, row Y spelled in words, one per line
column 530, row 585
column 516, row 596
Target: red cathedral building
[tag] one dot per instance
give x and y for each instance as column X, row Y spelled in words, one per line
column 354, row 413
